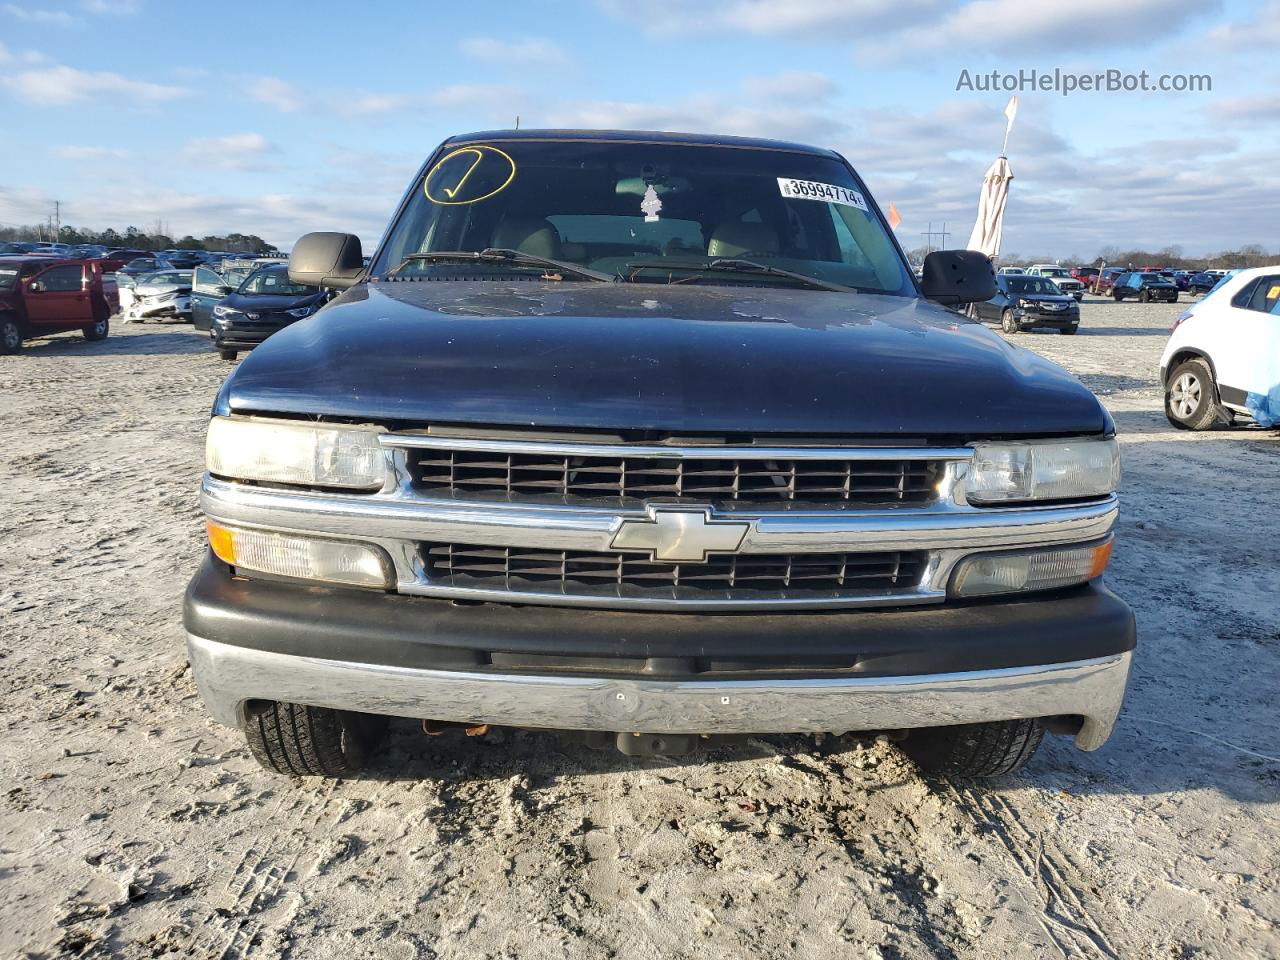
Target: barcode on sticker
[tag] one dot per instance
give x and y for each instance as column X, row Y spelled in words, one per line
column 812, row 190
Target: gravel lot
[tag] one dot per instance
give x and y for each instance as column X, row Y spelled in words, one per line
column 132, row 826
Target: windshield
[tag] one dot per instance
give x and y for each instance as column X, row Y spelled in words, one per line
column 274, row 281
column 1041, row 285
column 646, row 212
column 1054, row 272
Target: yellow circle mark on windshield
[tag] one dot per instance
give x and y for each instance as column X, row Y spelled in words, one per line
column 469, row 175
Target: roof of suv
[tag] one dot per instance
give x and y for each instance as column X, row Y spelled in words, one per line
column 642, row 136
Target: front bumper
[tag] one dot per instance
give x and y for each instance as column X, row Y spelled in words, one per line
column 143, row 309
column 241, row 334
column 1056, row 318
column 1060, row 655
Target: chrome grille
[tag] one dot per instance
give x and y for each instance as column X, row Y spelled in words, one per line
column 629, row 480
column 610, row 574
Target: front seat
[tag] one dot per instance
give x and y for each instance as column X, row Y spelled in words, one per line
column 739, row 239
column 537, row 238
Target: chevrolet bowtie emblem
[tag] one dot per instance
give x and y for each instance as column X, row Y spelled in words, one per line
column 685, row 535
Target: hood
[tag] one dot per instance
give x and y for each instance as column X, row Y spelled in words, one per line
column 701, row 359
column 268, row 303
column 160, row 289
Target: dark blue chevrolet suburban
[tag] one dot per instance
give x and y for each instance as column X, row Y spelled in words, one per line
column 657, row 438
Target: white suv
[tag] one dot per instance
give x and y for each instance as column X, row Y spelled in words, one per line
column 1061, row 276
column 1223, row 357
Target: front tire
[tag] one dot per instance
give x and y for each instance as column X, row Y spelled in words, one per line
column 227, row 354
column 1191, row 397
column 1070, row 331
column 974, row 750
column 1144, row 297
column 1009, row 323
column 10, row 335
column 96, row 331
column 302, row 741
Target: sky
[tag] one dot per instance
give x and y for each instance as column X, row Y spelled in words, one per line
column 284, row 117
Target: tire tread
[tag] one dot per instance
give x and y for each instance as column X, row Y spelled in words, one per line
column 975, row 750
column 298, row 740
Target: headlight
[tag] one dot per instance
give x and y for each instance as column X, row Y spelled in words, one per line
column 987, row 574
column 1043, row 470
column 220, row 311
column 301, row 453
column 307, row 558
column 301, row 312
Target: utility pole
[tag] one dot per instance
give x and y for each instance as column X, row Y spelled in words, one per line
column 931, row 233
column 57, row 219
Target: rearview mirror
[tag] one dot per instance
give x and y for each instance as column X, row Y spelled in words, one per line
column 327, row 259
column 953, row 277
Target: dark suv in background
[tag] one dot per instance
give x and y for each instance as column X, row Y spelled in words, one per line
column 266, row 302
column 1145, row 287
column 1026, row 301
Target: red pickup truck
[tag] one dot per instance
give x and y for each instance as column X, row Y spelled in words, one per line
column 40, row 295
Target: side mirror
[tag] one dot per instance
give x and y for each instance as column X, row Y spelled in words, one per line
column 327, row 260
column 953, row 277
column 35, row 286
column 223, row 291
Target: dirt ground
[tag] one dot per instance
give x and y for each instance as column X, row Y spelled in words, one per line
column 132, row 826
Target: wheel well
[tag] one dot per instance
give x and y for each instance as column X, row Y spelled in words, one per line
column 1182, row 356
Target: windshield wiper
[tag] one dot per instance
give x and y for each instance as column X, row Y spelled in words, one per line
column 503, row 255
column 738, row 265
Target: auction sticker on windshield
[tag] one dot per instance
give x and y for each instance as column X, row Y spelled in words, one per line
column 830, row 192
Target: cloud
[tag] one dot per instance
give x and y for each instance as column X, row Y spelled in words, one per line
column 747, row 116
column 514, row 52
column 8, row 57
column 276, row 93
column 74, row 152
column 1264, row 108
column 282, row 95
column 112, row 8
column 1018, row 26
column 881, row 31
column 59, row 18
column 1262, row 32
column 235, row 151
column 60, row 85
column 799, row 84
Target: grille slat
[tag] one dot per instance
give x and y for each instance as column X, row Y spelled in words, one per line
column 630, row 480
column 618, row 574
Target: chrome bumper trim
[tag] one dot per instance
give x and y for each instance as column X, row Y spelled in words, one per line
column 396, row 515
column 228, row 676
column 398, row 519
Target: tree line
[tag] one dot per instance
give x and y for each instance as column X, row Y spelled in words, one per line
column 138, row 239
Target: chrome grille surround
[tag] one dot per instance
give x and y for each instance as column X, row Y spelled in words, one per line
column 401, row 517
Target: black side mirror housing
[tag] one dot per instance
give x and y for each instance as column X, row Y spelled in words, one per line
column 952, row 277
column 223, row 291
column 327, row 259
